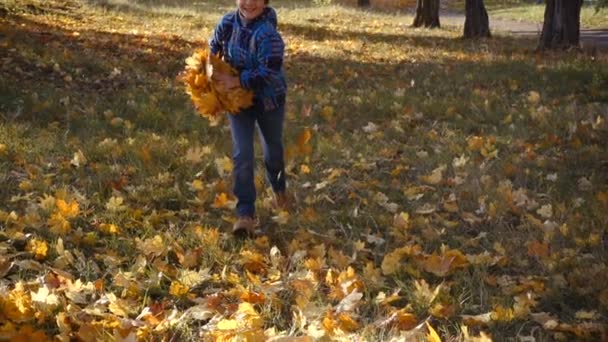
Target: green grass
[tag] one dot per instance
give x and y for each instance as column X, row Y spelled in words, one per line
column 513, row 132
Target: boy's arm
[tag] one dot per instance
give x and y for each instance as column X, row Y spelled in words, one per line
column 270, row 56
column 219, row 36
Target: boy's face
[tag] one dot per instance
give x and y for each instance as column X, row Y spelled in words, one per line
column 250, row 9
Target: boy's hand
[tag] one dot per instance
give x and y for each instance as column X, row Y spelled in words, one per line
column 227, row 81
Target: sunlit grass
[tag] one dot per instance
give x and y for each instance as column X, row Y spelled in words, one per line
column 529, row 11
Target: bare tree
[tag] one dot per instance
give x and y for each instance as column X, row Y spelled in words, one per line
column 561, row 28
column 476, row 23
column 427, row 14
column 363, row 3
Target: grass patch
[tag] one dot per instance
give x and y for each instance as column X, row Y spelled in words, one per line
column 528, row 11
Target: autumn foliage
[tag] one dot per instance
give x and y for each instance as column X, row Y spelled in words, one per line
column 210, row 98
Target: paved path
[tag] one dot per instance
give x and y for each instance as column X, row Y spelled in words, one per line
column 589, row 37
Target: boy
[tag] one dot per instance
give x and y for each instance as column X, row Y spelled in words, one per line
column 248, row 40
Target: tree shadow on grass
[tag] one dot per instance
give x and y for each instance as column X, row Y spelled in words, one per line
column 106, row 68
column 152, row 10
column 93, row 68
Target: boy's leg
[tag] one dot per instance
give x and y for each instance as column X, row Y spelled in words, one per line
column 271, row 129
column 242, row 127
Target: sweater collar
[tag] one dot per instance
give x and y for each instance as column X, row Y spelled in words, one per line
column 268, row 15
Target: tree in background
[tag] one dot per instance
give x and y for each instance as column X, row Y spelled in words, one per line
column 427, row 14
column 363, row 3
column 561, row 28
column 476, row 23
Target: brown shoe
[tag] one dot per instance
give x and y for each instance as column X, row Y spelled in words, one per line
column 282, row 201
column 244, row 226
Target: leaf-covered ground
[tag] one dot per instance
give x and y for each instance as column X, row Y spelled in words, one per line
column 444, row 188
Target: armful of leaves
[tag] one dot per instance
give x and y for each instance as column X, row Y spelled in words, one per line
column 210, row 99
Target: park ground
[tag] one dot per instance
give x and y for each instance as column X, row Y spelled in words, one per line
column 444, row 189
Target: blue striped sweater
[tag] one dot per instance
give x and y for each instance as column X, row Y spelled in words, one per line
column 256, row 50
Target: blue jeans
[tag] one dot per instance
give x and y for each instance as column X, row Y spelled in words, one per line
column 270, row 127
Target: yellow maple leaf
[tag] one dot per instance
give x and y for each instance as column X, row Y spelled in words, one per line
column 304, row 290
column 109, row 228
column 17, row 306
column 227, row 324
column 467, row 337
column 67, row 210
column 343, row 283
column 248, row 316
column 44, row 298
column 282, row 217
column 327, row 113
column 27, row 333
column 221, row 201
column 346, row 322
column 304, row 169
column 48, row 203
column 392, row 261
column 79, row 159
column 115, row 204
column 503, row 314
column 435, row 177
column 206, row 103
column 533, row 97
column 334, row 324
column 38, row 247
column 253, row 261
column 154, row 246
column 26, row 185
column 224, row 166
column 58, row 224
column 432, row 335
column 372, row 275
column 178, row 289
column 198, row 185
column 401, row 225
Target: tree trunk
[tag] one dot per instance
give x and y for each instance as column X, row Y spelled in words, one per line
column 427, row 14
column 561, row 28
column 476, row 23
column 363, row 3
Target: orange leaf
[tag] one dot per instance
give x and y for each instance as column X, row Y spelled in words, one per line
column 538, row 249
column 253, row 297
column 439, row 265
column 405, row 320
column 475, row 143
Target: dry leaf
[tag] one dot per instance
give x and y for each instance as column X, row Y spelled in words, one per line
column 432, row 335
